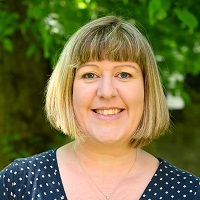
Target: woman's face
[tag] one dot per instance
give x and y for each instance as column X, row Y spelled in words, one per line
column 108, row 100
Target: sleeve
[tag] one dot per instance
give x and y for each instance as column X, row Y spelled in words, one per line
column 6, row 177
column 197, row 191
column 11, row 181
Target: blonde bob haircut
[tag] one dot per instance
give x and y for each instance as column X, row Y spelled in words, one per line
column 107, row 38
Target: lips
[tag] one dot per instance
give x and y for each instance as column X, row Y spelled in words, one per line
column 107, row 111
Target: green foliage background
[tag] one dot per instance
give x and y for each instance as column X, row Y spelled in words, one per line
column 32, row 35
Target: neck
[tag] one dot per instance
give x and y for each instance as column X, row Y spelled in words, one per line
column 105, row 167
column 105, row 155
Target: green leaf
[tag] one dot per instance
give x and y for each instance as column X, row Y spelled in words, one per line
column 31, row 50
column 9, row 31
column 195, row 69
column 8, row 45
column 35, row 12
column 187, row 18
column 153, row 7
column 8, row 25
column 162, row 14
column 166, row 4
column 82, row 5
column 157, row 10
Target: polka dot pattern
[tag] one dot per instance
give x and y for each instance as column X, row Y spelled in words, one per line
column 38, row 178
column 169, row 182
column 33, row 178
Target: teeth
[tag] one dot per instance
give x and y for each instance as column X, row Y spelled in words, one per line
column 108, row 112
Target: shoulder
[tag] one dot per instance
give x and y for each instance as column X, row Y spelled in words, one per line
column 177, row 182
column 33, row 162
column 172, row 172
column 22, row 173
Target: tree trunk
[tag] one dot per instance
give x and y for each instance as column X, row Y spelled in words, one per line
column 23, row 127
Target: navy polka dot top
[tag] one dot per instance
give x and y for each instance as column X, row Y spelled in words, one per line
column 38, row 178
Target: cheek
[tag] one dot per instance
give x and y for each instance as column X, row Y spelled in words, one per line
column 139, row 92
column 77, row 97
column 139, row 97
column 77, row 102
column 134, row 94
column 84, row 92
column 82, row 97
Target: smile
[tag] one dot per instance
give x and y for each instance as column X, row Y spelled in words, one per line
column 108, row 111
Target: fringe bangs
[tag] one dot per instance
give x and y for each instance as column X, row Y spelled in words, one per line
column 109, row 43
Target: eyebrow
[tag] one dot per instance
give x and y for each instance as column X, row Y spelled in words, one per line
column 117, row 66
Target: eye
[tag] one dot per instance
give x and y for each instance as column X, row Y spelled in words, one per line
column 124, row 75
column 89, row 76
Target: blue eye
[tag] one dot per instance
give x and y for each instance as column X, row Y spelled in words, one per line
column 89, row 76
column 124, row 75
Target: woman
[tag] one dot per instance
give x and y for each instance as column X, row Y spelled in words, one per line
column 105, row 91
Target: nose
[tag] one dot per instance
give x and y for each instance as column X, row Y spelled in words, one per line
column 106, row 88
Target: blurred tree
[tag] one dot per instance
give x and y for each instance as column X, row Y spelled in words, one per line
column 22, row 81
column 32, row 32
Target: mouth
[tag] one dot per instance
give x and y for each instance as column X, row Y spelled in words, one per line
column 107, row 111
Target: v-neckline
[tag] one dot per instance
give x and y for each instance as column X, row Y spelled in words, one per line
column 141, row 197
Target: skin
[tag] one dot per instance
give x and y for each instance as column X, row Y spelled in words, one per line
column 108, row 101
column 108, row 85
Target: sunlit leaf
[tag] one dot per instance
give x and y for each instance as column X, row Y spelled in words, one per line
column 82, row 5
column 187, row 18
column 153, row 7
column 161, row 14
